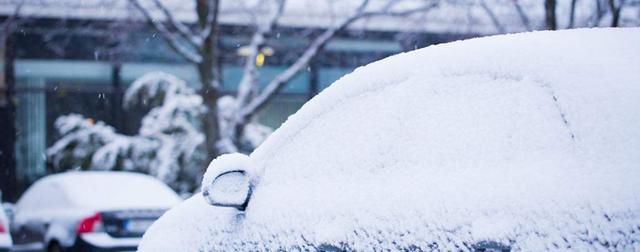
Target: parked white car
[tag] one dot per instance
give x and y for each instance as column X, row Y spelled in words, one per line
column 89, row 211
column 524, row 142
column 5, row 236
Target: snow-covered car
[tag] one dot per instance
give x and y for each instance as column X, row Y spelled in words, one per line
column 89, row 211
column 523, row 142
column 5, row 236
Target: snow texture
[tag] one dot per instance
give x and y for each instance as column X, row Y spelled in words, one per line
column 98, row 190
column 527, row 140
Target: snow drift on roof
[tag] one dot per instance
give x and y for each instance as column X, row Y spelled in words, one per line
column 114, row 190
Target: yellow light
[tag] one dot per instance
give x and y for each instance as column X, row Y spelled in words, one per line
column 268, row 51
column 260, row 59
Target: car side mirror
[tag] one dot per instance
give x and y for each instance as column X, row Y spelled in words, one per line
column 229, row 181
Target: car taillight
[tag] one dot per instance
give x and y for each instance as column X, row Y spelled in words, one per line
column 2, row 228
column 90, row 224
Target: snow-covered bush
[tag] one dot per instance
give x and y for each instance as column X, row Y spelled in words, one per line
column 169, row 143
column 173, row 123
column 82, row 137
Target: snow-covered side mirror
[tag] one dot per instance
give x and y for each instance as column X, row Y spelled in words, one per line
column 229, row 181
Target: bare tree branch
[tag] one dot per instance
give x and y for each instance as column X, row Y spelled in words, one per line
column 10, row 22
column 615, row 12
column 168, row 36
column 550, row 14
column 492, row 16
column 181, row 29
column 210, row 20
column 8, row 26
column 598, row 14
column 523, row 16
column 572, row 14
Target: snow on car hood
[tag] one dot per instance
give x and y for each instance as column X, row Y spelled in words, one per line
column 529, row 140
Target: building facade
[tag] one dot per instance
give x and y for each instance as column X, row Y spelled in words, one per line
column 60, row 66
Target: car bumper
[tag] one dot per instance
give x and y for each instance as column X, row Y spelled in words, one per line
column 5, row 242
column 102, row 242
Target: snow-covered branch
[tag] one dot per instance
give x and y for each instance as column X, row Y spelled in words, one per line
column 258, row 40
column 210, row 20
column 312, row 50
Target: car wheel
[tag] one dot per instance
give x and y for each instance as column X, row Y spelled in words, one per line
column 54, row 246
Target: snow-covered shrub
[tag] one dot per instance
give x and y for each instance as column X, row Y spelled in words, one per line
column 169, row 143
column 174, row 124
column 82, row 137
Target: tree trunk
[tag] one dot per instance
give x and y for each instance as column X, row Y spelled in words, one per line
column 208, row 70
column 615, row 12
column 572, row 13
column 550, row 14
column 210, row 121
column 210, row 94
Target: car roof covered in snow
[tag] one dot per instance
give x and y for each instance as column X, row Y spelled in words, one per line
column 103, row 190
column 528, row 140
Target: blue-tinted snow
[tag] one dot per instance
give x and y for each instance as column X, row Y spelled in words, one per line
column 529, row 140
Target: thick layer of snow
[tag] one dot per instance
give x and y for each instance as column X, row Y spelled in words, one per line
column 234, row 188
column 529, row 140
column 113, row 190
